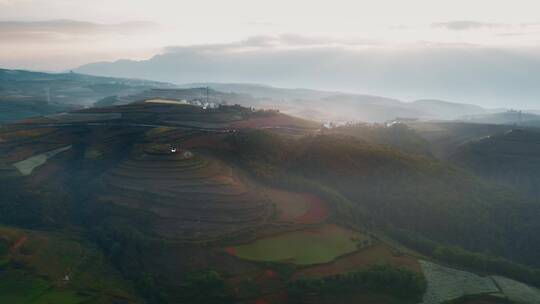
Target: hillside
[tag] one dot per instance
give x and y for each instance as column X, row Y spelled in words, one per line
column 26, row 94
column 397, row 136
column 446, row 137
column 309, row 104
column 511, row 158
column 508, row 118
column 194, row 204
column 397, row 189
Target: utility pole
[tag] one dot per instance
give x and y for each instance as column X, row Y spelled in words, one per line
column 207, row 89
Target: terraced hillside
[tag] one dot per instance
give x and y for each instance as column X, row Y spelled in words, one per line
column 195, row 196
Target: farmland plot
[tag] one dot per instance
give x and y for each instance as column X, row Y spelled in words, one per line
column 445, row 284
column 309, row 246
column 301, row 208
column 518, row 292
column 28, row 165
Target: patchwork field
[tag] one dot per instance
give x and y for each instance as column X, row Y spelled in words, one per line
column 305, row 247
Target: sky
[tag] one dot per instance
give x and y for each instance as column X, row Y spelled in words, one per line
column 58, row 35
column 138, row 29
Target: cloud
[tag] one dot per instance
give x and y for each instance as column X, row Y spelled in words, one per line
column 466, row 73
column 463, row 25
column 277, row 42
column 59, row 30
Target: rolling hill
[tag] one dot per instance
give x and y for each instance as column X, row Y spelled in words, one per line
column 227, row 204
column 26, row 94
column 510, row 158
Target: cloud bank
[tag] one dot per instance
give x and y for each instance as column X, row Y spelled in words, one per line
column 464, row 73
column 462, row 25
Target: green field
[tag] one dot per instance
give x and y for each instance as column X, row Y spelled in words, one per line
column 28, row 165
column 305, row 247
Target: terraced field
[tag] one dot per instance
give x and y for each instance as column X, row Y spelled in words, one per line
column 310, row 246
column 192, row 196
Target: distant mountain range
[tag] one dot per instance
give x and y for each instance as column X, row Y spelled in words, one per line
column 25, row 94
column 490, row 77
column 324, row 105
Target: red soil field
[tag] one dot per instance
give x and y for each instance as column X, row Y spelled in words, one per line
column 269, row 273
column 18, row 244
column 230, row 250
column 378, row 254
column 300, row 208
column 317, row 213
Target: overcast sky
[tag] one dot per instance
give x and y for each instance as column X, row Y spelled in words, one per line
column 56, row 35
column 37, row 34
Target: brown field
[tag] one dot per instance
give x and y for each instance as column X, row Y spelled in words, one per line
column 300, row 208
column 377, row 254
column 18, row 135
column 212, row 141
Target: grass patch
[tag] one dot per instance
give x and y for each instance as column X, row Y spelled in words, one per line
column 28, row 165
column 305, row 247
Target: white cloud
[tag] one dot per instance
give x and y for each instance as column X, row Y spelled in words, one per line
column 462, row 25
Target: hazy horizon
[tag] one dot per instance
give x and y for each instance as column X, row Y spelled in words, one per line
column 450, row 50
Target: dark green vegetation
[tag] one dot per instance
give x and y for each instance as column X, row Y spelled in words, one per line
column 400, row 283
column 512, row 158
column 46, row 267
column 159, row 199
column 398, row 136
column 459, row 257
